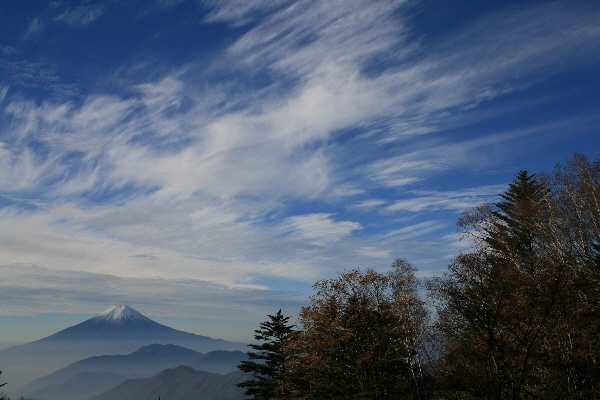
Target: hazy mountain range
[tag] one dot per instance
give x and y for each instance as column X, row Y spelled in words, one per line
column 80, row 387
column 95, row 375
column 125, row 335
column 181, row 383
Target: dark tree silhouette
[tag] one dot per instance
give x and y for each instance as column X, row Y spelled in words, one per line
column 519, row 311
column 2, row 397
column 269, row 369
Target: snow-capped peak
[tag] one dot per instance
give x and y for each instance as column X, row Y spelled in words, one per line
column 119, row 314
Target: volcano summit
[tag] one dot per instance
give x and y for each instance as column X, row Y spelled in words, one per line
column 124, row 323
column 117, row 330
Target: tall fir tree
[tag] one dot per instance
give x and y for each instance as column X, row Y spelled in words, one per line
column 511, row 234
column 268, row 362
column 500, row 303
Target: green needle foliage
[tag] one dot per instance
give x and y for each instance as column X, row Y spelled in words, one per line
column 268, row 362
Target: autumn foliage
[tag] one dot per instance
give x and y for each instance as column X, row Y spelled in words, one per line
column 361, row 336
column 519, row 311
column 517, row 316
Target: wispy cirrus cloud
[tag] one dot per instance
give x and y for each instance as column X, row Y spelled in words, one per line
column 82, row 292
column 240, row 12
column 34, row 28
column 219, row 180
column 298, row 38
column 375, row 252
column 23, row 74
column 367, row 205
column 333, row 96
column 3, row 92
column 80, row 16
column 413, row 231
column 456, row 200
column 320, row 228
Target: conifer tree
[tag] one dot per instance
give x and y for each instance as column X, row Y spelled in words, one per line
column 512, row 231
column 268, row 362
column 500, row 302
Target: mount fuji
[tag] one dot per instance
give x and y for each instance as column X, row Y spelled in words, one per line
column 117, row 330
column 122, row 322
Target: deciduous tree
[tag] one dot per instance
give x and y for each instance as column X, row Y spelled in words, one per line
column 360, row 337
column 573, row 365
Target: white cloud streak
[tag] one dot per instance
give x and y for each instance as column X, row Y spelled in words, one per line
column 80, row 16
column 457, row 200
column 49, row 290
column 166, row 181
column 320, row 229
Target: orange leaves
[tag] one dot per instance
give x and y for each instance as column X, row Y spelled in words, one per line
column 360, row 336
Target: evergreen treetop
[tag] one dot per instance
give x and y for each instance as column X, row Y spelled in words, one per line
column 268, row 374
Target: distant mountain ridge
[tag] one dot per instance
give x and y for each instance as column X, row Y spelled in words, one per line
column 181, row 383
column 105, row 372
column 119, row 329
column 80, row 386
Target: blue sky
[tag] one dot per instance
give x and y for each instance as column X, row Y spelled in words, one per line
column 206, row 162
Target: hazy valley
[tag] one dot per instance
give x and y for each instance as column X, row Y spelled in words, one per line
column 118, row 348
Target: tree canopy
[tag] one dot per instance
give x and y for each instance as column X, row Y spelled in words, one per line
column 513, row 310
column 360, row 337
column 517, row 314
